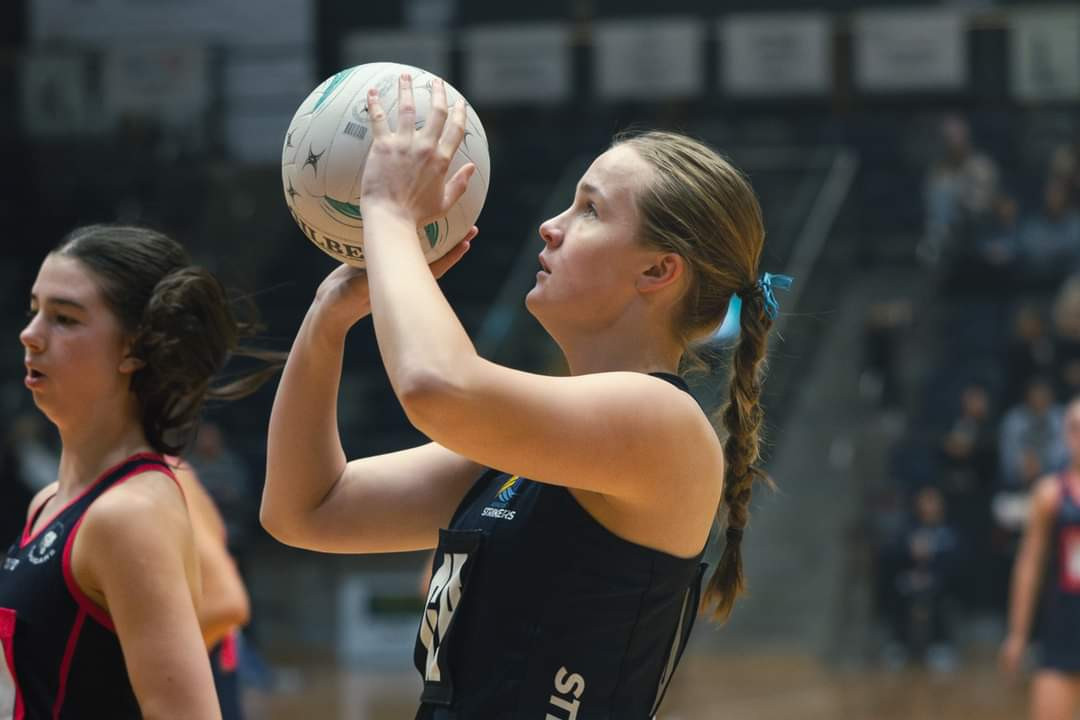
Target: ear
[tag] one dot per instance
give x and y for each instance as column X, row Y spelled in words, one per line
column 130, row 365
column 666, row 270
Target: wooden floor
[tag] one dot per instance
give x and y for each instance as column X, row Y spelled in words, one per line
column 705, row 688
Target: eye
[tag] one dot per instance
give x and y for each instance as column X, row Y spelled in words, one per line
column 65, row 320
column 31, row 313
column 590, row 209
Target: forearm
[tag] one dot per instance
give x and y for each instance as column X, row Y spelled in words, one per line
column 421, row 340
column 224, row 604
column 304, row 453
column 1022, row 595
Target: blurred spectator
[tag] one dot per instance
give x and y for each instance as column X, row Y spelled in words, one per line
column 1030, row 352
column 968, row 447
column 39, row 462
column 1067, row 339
column 994, row 252
column 228, row 481
column 1050, row 240
column 969, row 452
column 15, row 495
column 885, row 323
column 968, row 462
column 1031, row 437
column 960, row 188
column 925, row 583
column 1065, row 168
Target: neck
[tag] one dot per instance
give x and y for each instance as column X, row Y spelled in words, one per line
column 100, row 438
column 630, row 344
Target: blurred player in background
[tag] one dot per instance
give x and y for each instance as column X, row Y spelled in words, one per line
column 1050, row 550
column 224, row 606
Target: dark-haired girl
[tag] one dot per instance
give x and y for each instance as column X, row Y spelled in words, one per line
column 98, row 597
column 569, row 514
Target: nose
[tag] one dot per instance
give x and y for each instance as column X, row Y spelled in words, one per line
column 31, row 336
column 551, row 233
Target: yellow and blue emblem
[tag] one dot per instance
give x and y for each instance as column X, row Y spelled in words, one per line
column 507, row 490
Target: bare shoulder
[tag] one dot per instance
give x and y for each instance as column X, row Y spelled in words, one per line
column 652, row 397
column 677, row 423
column 145, row 508
column 678, row 411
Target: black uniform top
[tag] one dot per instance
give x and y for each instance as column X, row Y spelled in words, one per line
column 536, row 610
column 1061, row 600
column 63, row 659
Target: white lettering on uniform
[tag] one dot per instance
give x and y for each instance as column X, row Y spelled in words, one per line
column 443, row 599
column 566, row 683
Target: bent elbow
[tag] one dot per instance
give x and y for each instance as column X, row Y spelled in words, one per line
column 275, row 524
column 426, row 396
column 240, row 612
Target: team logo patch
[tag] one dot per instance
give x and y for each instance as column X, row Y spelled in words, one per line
column 497, row 508
column 508, row 490
column 46, row 547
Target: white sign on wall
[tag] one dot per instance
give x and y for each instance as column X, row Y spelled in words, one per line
column 262, row 92
column 167, row 82
column 1044, row 54
column 661, row 58
column 253, row 76
column 776, row 54
column 53, row 94
column 429, row 50
column 917, row 49
column 229, row 22
column 517, row 63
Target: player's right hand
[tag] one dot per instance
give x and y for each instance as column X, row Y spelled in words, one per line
column 1011, row 655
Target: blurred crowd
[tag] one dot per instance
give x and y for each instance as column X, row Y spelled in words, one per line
column 1000, row 336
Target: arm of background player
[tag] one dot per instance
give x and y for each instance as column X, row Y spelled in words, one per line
column 224, row 603
column 1028, row 570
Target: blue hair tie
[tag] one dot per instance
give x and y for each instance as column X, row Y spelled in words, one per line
column 766, row 284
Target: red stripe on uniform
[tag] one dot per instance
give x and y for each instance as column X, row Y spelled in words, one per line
column 86, row 605
column 27, row 538
column 7, row 637
column 84, row 601
column 65, row 666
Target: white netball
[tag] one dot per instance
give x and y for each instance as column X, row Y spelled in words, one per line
column 327, row 144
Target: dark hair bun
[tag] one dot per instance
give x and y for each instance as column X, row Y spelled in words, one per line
column 184, row 339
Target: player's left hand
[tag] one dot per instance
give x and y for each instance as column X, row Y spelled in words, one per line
column 406, row 169
column 342, row 298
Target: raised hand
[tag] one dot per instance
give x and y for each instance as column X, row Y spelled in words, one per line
column 406, row 169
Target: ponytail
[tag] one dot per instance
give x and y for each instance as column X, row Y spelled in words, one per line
column 742, row 418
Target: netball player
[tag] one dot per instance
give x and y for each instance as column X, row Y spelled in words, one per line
column 1051, row 546
column 569, row 514
column 98, row 598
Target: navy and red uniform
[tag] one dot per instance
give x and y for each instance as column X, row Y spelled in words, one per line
column 536, row 610
column 62, row 658
column 1060, row 636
